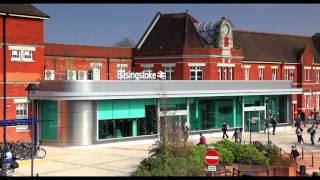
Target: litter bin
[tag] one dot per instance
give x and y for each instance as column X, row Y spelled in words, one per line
column 303, row 170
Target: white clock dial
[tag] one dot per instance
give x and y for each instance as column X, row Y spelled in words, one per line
column 225, row 29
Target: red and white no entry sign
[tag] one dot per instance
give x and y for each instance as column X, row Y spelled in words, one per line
column 212, row 157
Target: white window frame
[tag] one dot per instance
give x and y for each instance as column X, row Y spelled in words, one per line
column 52, row 77
column 274, row 74
column 15, row 55
column 196, row 69
column 225, row 73
column 169, row 70
column 307, row 74
column 24, row 58
column 317, row 75
column 291, row 74
column 73, row 73
column 121, row 70
column 286, row 74
column 247, row 74
column 219, row 73
column 85, row 77
column 231, row 72
column 21, row 107
column 261, row 73
column 147, row 69
column 317, row 101
column 307, row 99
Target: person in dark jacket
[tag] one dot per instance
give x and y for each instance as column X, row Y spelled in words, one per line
column 294, row 152
column 312, row 132
column 303, row 117
column 224, row 129
column 274, row 125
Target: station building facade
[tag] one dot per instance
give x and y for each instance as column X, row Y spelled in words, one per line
column 210, row 55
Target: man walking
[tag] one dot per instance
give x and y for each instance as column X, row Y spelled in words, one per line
column 266, row 125
column 303, row 117
column 315, row 114
column 274, row 125
column 312, row 132
column 224, row 129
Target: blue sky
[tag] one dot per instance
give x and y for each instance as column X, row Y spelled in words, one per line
column 105, row 24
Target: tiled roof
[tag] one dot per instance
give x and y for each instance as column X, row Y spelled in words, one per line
column 67, row 50
column 259, row 46
column 22, row 9
column 173, row 31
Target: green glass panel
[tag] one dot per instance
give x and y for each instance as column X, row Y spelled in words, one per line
column 104, row 110
column 121, row 109
column 137, row 109
column 49, row 117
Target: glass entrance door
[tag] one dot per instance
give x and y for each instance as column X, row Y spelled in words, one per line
column 257, row 117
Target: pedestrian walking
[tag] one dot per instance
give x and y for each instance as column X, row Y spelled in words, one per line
column 314, row 115
column 297, row 121
column 186, row 128
column 303, row 117
column 224, row 130
column 294, row 152
column 274, row 125
column 299, row 131
column 312, row 131
column 240, row 134
column 236, row 134
column 266, row 125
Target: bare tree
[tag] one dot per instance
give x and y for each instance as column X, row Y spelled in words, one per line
column 125, row 42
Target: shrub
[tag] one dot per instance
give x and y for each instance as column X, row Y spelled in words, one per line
column 249, row 154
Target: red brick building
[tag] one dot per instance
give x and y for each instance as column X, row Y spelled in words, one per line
column 215, row 51
column 173, row 43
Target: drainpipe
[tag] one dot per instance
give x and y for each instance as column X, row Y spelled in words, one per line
column 4, row 18
column 108, row 59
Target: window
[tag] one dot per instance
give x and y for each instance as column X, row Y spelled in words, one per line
column 147, row 69
column 307, row 100
column 274, row 74
column 247, row 74
column 27, row 55
column 169, row 73
column 307, row 74
column 21, row 113
column 121, row 70
column 15, row 55
column 317, row 101
column 49, row 75
column 318, row 76
column 231, row 73
column 291, row 74
column 286, row 74
column 196, row 73
column 261, row 73
column 225, row 72
column 219, row 73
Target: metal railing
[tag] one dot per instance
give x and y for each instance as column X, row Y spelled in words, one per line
column 303, row 149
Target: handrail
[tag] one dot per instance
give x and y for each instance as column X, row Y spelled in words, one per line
column 303, row 148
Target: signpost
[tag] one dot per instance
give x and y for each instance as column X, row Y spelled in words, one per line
column 212, row 158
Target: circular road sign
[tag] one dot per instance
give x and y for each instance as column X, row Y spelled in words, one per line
column 212, row 157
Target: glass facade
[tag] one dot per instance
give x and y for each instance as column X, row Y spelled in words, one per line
column 126, row 118
column 129, row 118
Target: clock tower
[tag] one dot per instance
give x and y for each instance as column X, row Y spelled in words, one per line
column 225, row 36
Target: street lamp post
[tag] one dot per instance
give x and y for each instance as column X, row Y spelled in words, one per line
column 268, row 120
column 31, row 89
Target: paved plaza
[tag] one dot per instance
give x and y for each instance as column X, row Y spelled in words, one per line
column 120, row 159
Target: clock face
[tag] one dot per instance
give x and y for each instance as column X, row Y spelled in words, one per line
column 225, row 29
